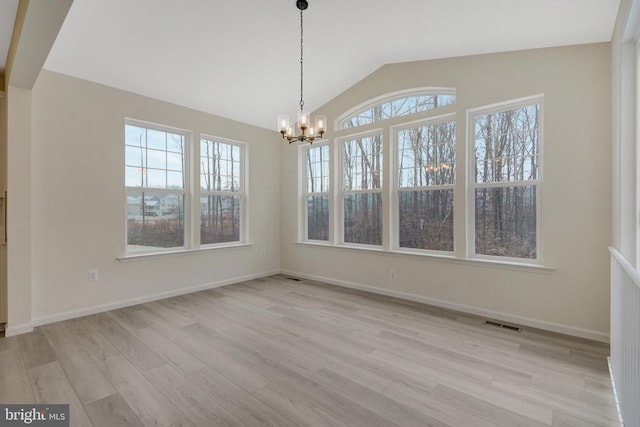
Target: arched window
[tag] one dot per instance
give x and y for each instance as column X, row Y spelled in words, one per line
column 396, row 104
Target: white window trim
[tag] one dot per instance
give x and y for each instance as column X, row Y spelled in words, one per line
column 188, row 141
column 394, row 216
column 303, row 194
column 340, row 192
column 243, row 193
column 191, row 191
column 471, row 185
column 464, row 232
column 427, row 90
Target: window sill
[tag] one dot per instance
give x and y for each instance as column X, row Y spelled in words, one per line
column 487, row 263
column 181, row 252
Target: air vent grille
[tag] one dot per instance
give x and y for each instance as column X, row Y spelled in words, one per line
column 503, row 325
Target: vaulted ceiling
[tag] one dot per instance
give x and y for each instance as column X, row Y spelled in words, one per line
column 240, row 59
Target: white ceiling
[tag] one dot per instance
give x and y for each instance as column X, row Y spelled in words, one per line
column 8, row 9
column 240, row 59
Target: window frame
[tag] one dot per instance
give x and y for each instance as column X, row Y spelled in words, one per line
column 303, row 229
column 471, row 185
column 389, row 97
column 340, row 192
column 394, row 216
column 242, row 192
column 188, row 141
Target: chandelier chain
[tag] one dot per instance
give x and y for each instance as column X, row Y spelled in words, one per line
column 301, row 61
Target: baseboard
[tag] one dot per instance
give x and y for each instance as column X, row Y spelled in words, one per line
column 615, row 392
column 23, row 328
column 58, row 317
column 506, row 317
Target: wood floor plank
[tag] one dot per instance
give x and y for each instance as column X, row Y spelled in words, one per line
column 14, row 382
column 278, row 352
column 172, row 316
column 112, row 410
column 132, row 348
column 59, row 334
column 146, row 401
column 35, row 348
column 349, row 412
column 240, row 403
column 298, row 410
column 193, row 402
column 8, row 343
column 513, row 413
column 50, row 385
column 84, row 375
column 376, row 402
column 422, row 401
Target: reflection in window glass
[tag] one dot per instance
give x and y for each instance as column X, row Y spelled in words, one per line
column 363, row 218
column 154, row 220
column 426, row 175
column 221, row 190
column 316, row 194
column 507, row 150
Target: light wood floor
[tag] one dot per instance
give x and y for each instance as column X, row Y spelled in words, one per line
column 283, row 353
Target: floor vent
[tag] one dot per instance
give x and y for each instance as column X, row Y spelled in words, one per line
column 503, row 325
column 295, row 279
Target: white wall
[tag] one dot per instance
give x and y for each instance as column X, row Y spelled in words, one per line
column 78, row 212
column 624, row 72
column 573, row 297
column 3, row 187
column 19, row 245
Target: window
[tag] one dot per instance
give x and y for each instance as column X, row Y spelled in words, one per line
column 164, row 210
column 506, row 180
column 221, row 191
column 155, row 184
column 316, row 192
column 426, row 177
column 362, row 190
column 406, row 195
column 401, row 104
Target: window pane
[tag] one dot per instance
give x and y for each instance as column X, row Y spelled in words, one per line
column 318, row 217
column 175, row 180
column 362, row 163
column 154, row 220
column 219, row 166
column 363, row 218
column 133, row 156
column 147, row 161
column 175, row 143
column 426, row 219
column 175, row 161
column 134, row 177
column 135, row 136
column 396, row 107
column 506, row 145
column 156, row 139
column 156, row 159
column 219, row 219
column 156, row 178
column 506, row 221
column 427, row 155
column 317, row 165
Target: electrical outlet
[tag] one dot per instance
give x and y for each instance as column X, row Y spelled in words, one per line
column 93, row 274
column 392, row 274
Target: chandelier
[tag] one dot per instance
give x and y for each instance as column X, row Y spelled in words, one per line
column 302, row 130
